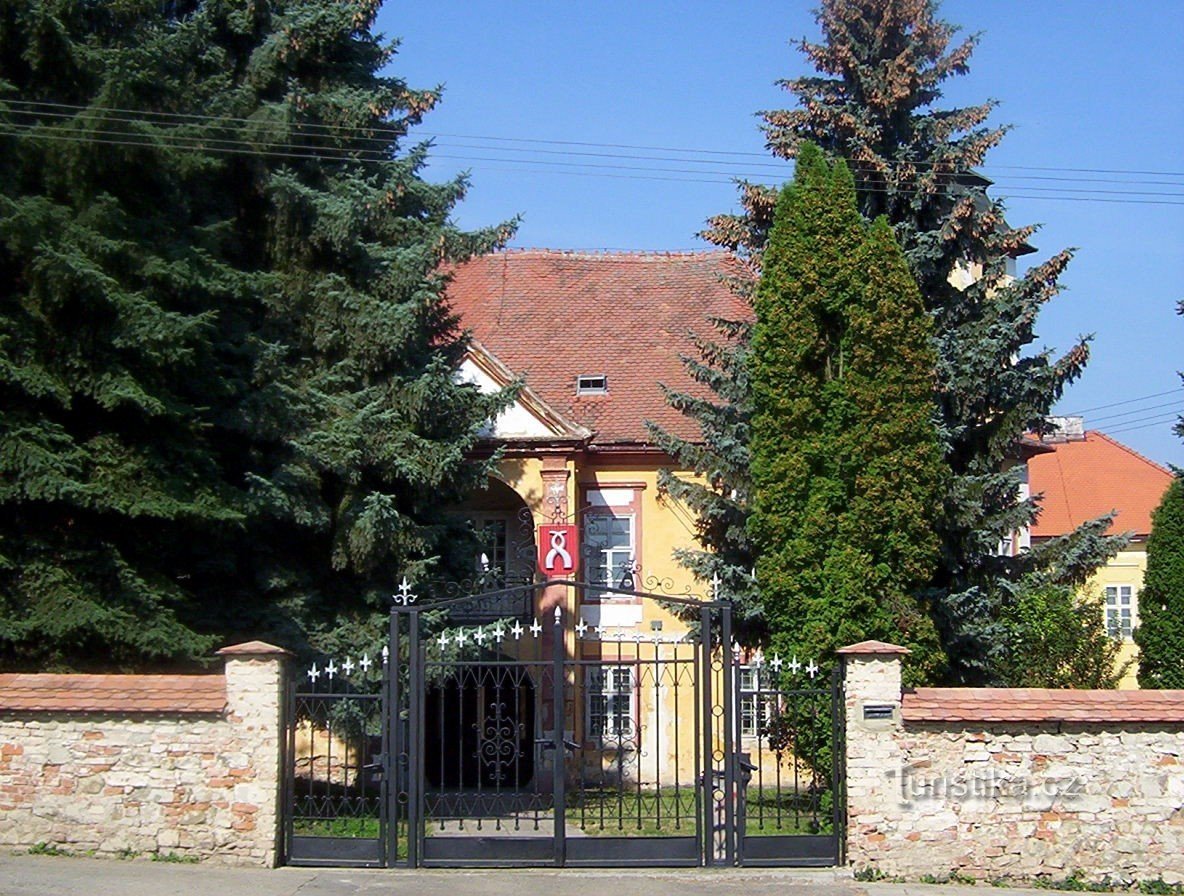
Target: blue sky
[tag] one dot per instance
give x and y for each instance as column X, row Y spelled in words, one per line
column 1094, row 91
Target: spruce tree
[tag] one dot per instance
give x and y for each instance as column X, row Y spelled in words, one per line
column 226, row 363
column 108, row 314
column 881, row 67
column 846, row 465
column 1160, row 634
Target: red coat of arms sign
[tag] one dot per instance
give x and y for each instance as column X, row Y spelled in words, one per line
column 559, row 551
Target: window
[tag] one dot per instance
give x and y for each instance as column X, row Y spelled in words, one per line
column 592, row 384
column 610, row 703
column 755, row 708
column 611, row 538
column 1120, row 606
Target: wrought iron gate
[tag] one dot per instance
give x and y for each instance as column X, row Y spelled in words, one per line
column 336, row 804
column 502, row 734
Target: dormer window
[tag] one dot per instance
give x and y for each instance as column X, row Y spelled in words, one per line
column 592, row 384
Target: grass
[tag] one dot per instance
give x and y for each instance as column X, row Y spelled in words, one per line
column 628, row 813
column 48, row 849
column 174, row 858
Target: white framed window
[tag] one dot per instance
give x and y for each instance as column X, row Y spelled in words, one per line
column 1120, row 611
column 592, row 384
column 610, row 528
column 755, row 708
column 611, row 703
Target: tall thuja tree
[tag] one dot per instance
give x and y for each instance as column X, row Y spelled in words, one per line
column 1160, row 634
column 356, row 433
column 110, row 290
column 846, row 463
column 880, row 70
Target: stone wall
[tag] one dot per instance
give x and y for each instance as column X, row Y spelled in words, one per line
column 187, row 766
column 1011, row 783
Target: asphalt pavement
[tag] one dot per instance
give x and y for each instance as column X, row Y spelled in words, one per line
column 37, row 875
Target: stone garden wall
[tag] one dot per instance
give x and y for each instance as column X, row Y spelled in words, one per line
column 1019, row 783
column 177, row 765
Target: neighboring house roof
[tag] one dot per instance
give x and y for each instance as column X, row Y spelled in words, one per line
column 552, row 316
column 1085, row 478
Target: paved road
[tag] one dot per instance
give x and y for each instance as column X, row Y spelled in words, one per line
column 25, row 875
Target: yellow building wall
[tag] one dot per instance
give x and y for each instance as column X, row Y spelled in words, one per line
column 1127, row 568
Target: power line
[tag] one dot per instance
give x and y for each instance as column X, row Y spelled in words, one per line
column 1125, row 401
column 1170, row 421
column 386, row 131
column 1169, row 404
column 288, row 150
column 1143, row 422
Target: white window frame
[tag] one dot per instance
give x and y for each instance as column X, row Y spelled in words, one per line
column 759, row 708
column 1115, row 602
column 616, row 685
column 607, row 505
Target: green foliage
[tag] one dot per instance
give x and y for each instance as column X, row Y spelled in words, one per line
column 1160, row 634
column 1058, row 639
column 227, row 403
column 873, row 101
column 846, row 465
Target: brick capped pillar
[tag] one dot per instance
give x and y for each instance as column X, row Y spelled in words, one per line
column 254, row 706
column 872, row 699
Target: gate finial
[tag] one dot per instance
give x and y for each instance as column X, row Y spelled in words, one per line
column 403, row 595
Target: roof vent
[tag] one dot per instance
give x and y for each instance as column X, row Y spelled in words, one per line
column 592, row 384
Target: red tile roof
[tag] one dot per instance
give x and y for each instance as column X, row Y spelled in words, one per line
column 1040, row 705
column 553, row 316
column 113, row 693
column 1084, row 479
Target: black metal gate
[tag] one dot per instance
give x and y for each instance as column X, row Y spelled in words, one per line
column 336, row 798
column 504, row 734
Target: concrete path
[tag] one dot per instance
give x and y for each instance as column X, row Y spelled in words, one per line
column 25, row 875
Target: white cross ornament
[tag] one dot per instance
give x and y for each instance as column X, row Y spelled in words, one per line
column 348, row 666
column 330, row 670
column 499, row 633
column 811, row 669
column 581, row 627
column 794, row 666
column 403, row 595
column 443, row 640
column 516, row 630
column 314, row 673
column 479, row 636
column 776, row 663
column 535, row 628
column 365, row 663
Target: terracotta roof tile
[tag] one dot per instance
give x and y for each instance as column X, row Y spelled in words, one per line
column 1040, row 705
column 553, row 316
column 1084, row 479
column 113, row 693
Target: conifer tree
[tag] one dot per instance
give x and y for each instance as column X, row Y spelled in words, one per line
column 881, row 67
column 1160, row 634
column 226, row 365
column 846, row 464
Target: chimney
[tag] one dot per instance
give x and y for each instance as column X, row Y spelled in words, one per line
column 1065, row 429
